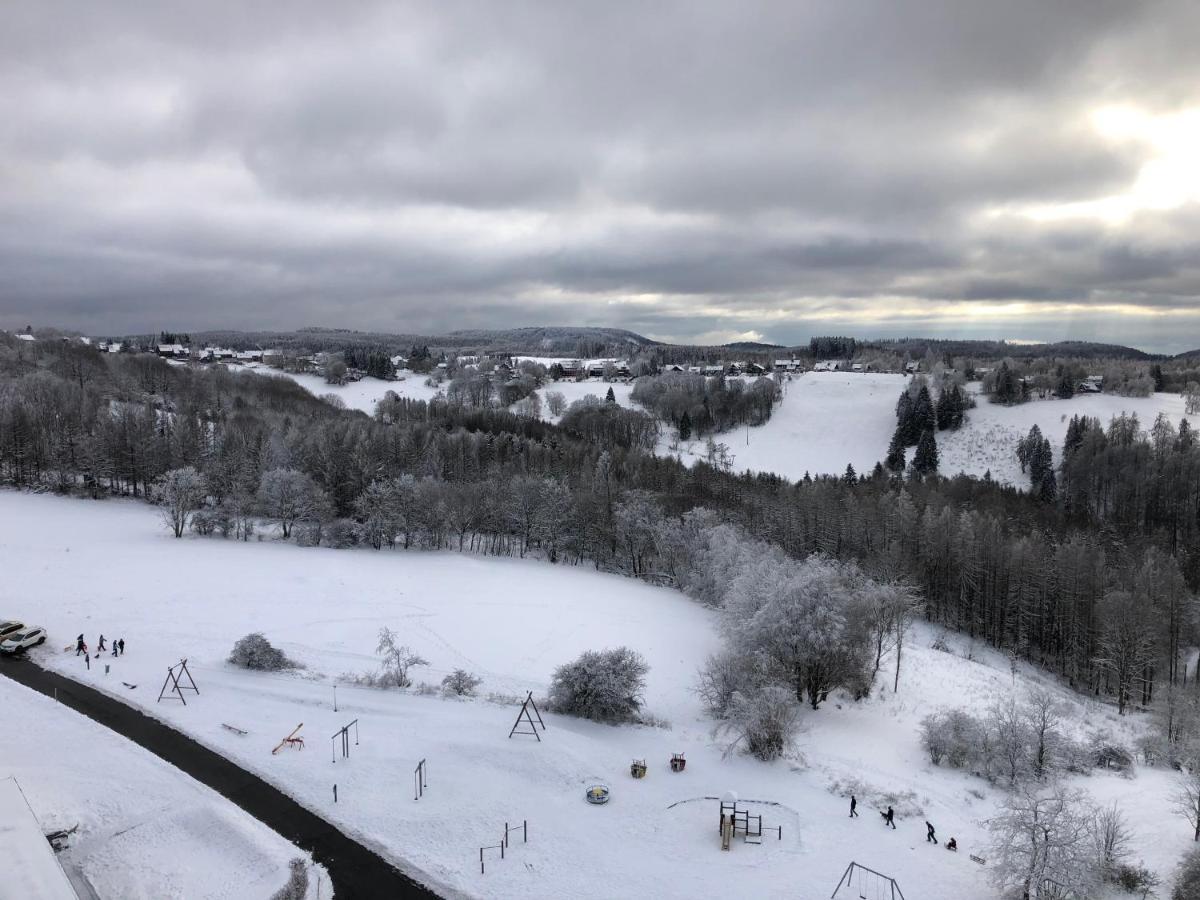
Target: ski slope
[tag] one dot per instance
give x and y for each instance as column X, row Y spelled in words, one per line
column 146, row 830
column 110, row 566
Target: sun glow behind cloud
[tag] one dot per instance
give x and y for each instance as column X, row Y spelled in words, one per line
column 1167, row 180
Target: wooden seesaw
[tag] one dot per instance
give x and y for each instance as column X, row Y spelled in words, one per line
column 291, row 741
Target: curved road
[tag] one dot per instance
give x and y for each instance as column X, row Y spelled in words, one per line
column 356, row 872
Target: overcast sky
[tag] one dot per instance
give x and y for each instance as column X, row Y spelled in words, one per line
column 700, row 171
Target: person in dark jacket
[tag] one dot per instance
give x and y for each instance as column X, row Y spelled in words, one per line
column 952, row 844
column 853, row 807
column 930, row 837
column 100, row 645
column 889, row 818
column 121, row 644
column 79, row 645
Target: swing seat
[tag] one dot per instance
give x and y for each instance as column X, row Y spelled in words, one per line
column 597, row 794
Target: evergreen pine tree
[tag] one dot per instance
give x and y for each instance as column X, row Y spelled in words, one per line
column 925, row 461
column 610, row 397
column 906, row 422
column 1065, row 389
column 923, row 413
column 850, row 476
column 1156, row 372
column 685, row 427
column 895, row 456
column 1048, row 488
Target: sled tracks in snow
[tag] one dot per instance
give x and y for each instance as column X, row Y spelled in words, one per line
column 356, row 872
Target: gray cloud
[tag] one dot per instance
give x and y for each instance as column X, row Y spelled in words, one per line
column 683, row 169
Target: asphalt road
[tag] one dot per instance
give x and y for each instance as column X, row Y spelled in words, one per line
column 357, row 873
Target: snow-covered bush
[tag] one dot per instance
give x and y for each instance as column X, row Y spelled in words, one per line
column 254, row 651
column 297, row 883
column 764, row 720
column 954, row 736
column 602, row 685
column 460, row 683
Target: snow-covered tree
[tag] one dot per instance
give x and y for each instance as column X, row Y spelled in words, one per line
column 180, row 492
column 1040, row 834
column 1186, row 797
column 397, row 659
column 289, row 496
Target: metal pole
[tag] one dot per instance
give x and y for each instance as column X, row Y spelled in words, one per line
column 335, row 698
column 335, row 793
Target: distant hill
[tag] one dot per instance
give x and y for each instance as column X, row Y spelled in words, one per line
column 1077, row 349
column 542, row 341
column 589, row 342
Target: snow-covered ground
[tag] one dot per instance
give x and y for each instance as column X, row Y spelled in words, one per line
column 146, row 830
column 80, row 566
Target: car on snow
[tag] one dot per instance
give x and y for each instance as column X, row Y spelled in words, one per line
column 21, row 640
column 8, row 627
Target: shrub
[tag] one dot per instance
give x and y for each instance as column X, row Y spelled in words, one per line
column 255, row 652
column 604, row 686
column 1187, row 882
column 764, row 720
column 297, row 883
column 1135, row 879
column 340, row 534
column 460, row 683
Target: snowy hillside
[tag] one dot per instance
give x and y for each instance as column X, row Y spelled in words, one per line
column 828, row 419
column 989, row 439
column 512, row 622
column 824, row 421
column 146, row 830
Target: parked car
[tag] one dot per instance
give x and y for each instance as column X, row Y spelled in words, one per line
column 22, row 640
column 7, row 628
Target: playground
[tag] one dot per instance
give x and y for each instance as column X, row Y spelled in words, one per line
column 511, row 622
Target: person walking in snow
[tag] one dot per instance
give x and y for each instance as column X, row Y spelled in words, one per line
column 114, row 648
column 100, row 645
column 853, row 807
column 889, row 818
column 121, row 644
column 80, row 646
column 930, row 836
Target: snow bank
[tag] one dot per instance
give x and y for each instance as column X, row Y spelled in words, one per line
column 146, row 830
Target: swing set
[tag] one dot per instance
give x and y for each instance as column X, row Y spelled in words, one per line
column 866, row 884
column 176, row 675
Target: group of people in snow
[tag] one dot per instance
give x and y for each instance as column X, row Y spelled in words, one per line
column 889, row 818
column 118, row 649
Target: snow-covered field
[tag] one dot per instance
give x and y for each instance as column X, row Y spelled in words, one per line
column 362, row 395
column 146, row 830
column 824, row 421
column 988, row 442
column 828, row 419
column 80, row 566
